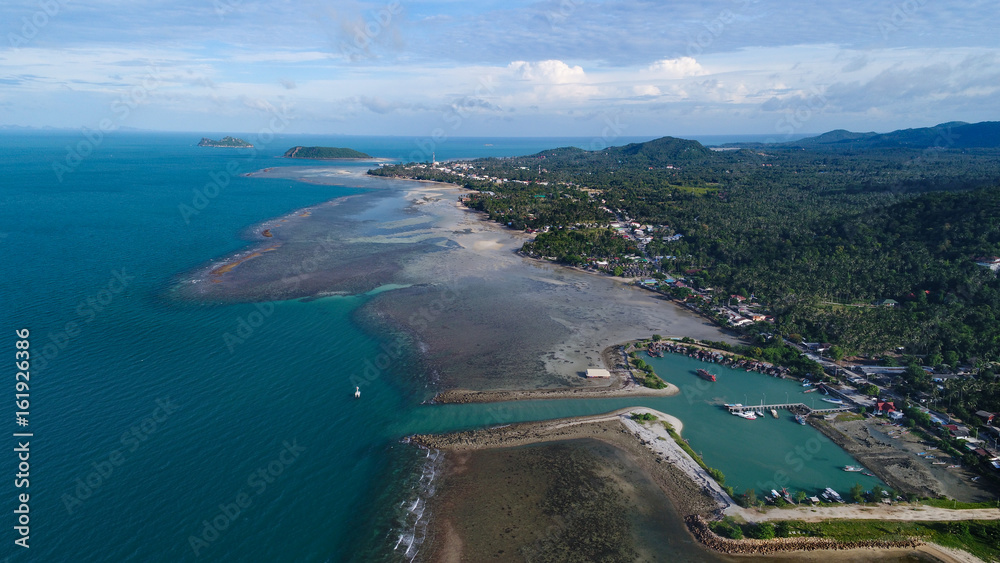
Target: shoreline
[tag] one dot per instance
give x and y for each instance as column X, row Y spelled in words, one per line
column 694, row 493
column 622, row 384
column 690, row 489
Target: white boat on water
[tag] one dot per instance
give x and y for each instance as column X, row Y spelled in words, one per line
column 832, row 495
column 749, row 415
column 774, row 413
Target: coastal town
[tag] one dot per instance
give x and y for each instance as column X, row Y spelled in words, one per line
column 904, row 435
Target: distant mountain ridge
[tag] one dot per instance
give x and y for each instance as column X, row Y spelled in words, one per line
column 953, row 134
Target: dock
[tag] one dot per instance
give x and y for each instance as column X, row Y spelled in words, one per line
column 789, row 406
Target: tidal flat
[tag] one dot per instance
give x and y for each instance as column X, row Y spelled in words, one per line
column 478, row 315
column 576, row 500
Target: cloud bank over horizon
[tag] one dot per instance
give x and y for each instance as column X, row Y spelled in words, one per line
column 539, row 68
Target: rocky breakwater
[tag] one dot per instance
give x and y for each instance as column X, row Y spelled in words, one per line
column 699, row 528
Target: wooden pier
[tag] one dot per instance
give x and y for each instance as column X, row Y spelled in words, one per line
column 791, row 407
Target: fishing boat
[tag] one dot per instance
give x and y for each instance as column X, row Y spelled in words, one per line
column 800, row 419
column 774, row 413
column 834, row 401
column 807, row 384
column 953, row 467
column 747, row 415
column 731, row 405
column 868, row 473
column 832, row 495
column 705, row 375
column 786, row 495
column 852, row 468
column 810, row 390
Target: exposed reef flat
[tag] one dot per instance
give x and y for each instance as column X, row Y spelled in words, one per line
column 481, row 316
column 527, row 491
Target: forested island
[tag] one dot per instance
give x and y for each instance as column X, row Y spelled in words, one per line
column 324, row 153
column 225, row 142
column 883, row 244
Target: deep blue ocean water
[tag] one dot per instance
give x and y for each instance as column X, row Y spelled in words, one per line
column 150, row 426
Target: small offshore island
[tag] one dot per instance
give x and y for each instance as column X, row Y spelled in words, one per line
column 324, row 153
column 229, row 142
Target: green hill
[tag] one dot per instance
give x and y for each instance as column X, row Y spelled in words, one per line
column 324, row 153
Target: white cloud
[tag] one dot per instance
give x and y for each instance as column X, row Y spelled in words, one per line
column 551, row 71
column 646, row 90
column 681, row 67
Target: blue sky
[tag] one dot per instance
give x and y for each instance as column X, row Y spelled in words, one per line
column 480, row 68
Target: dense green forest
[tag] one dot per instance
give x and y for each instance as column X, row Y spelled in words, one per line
column 817, row 234
column 324, row 153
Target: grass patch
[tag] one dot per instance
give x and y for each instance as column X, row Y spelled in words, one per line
column 946, row 503
column 646, row 374
column 653, row 381
column 643, row 417
column 849, row 416
column 980, row 537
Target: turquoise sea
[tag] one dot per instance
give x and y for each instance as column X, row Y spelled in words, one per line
column 157, row 436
